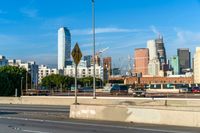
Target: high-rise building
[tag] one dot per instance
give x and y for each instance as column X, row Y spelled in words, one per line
column 97, row 60
column 161, row 52
column 151, row 45
column 3, row 61
column 184, row 59
column 174, row 64
column 154, row 64
column 141, row 60
column 64, row 47
column 88, row 59
column 197, row 65
column 107, row 67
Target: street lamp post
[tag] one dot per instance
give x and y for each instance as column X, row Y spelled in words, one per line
column 26, row 82
column 22, row 86
column 93, row 29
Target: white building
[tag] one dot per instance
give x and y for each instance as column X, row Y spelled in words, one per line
column 197, row 65
column 3, row 61
column 45, row 71
column 30, row 66
column 83, row 70
column 154, row 64
column 154, row 67
column 151, row 45
column 64, row 47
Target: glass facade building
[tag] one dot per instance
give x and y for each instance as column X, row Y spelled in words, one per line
column 184, row 59
column 174, row 64
column 64, row 47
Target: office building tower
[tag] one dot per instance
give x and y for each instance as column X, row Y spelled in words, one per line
column 161, row 52
column 141, row 60
column 154, row 64
column 3, row 61
column 97, row 61
column 197, row 65
column 151, row 45
column 64, row 47
column 88, row 59
column 107, row 67
column 174, row 64
column 184, row 59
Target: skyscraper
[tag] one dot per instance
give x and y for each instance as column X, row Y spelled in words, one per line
column 161, row 52
column 151, row 45
column 174, row 64
column 141, row 60
column 3, row 61
column 64, row 47
column 88, row 59
column 184, row 59
column 107, row 67
column 154, row 64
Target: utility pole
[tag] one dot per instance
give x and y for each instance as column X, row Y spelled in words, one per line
column 26, row 82
column 94, row 61
column 22, row 86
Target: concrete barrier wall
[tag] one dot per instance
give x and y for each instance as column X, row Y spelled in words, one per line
column 167, row 116
column 57, row 100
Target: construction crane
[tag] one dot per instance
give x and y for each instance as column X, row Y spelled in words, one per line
column 129, row 66
column 98, row 54
column 101, row 51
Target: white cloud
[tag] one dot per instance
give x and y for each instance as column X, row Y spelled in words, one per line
column 103, row 30
column 32, row 13
column 154, row 30
column 186, row 37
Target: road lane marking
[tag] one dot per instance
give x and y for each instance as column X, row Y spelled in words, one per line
column 32, row 131
column 34, row 109
column 95, row 125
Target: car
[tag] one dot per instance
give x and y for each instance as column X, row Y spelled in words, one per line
column 139, row 92
column 183, row 88
column 119, row 89
column 195, row 89
column 85, row 89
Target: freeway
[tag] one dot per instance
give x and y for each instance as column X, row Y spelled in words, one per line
column 54, row 119
column 34, row 108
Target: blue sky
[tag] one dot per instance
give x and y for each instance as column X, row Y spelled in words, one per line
column 28, row 28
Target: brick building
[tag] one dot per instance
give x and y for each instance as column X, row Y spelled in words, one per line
column 141, row 60
column 160, row 80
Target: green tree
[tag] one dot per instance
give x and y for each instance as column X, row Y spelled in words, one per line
column 10, row 79
column 88, row 81
column 54, row 82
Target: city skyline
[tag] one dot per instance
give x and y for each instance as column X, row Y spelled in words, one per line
column 29, row 28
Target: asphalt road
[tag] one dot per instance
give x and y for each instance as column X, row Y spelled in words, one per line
column 54, row 119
